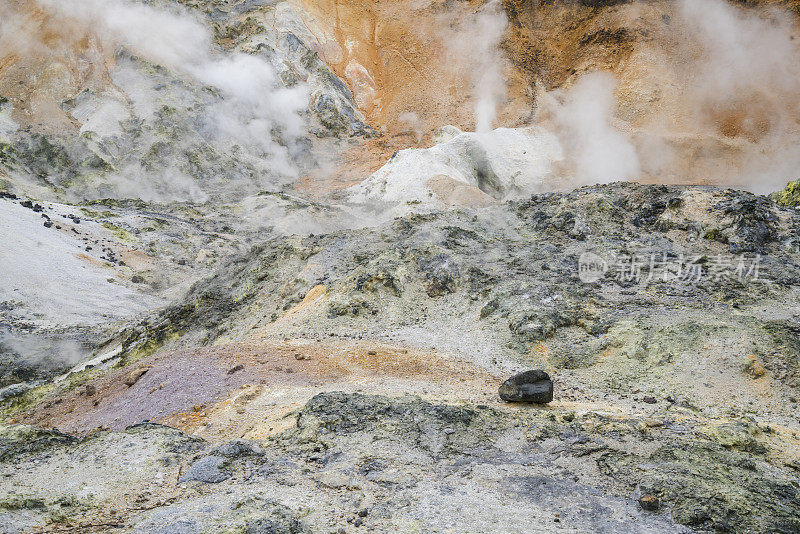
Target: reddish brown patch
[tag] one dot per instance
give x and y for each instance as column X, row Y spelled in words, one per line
column 180, row 387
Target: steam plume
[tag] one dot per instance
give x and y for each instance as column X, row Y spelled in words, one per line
column 252, row 110
column 596, row 150
column 476, row 45
column 742, row 83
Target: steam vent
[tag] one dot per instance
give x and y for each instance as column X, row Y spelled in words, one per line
column 395, row 266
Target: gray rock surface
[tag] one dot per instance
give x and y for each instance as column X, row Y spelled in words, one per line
column 499, row 283
column 530, row 386
column 400, row 464
column 209, row 469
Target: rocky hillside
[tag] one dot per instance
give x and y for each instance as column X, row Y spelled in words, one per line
column 266, row 265
column 378, row 464
column 698, row 362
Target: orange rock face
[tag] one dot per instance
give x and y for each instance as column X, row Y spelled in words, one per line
column 401, row 58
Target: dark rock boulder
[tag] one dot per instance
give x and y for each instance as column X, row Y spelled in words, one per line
column 530, row 386
column 649, row 502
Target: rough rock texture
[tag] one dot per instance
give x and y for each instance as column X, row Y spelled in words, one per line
column 680, row 388
column 388, row 464
column 326, row 366
column 208, row 469
column 789, row 197
column 512, row 275
column 531, row 386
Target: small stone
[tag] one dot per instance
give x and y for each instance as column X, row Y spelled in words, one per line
column 754, row 367
column 649, row 502
column 649, row 400
column 135, row 375
column 531, row 386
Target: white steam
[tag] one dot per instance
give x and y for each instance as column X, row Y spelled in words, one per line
column 255, row 100
column 252, row 111
column 725, row 108
column 711, row 96
column 738, row 53
column 411, row 124
column 477, row 43
column 488, row 80
column 595, row 149
column 182, row 43
column 43, row 353
column 742, row 82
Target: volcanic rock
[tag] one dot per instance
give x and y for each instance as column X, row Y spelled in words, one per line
column 531, row 386
column 237, row 449
column 208, row 470
column 790, row 196
column 649, row 502
column 135, row 375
